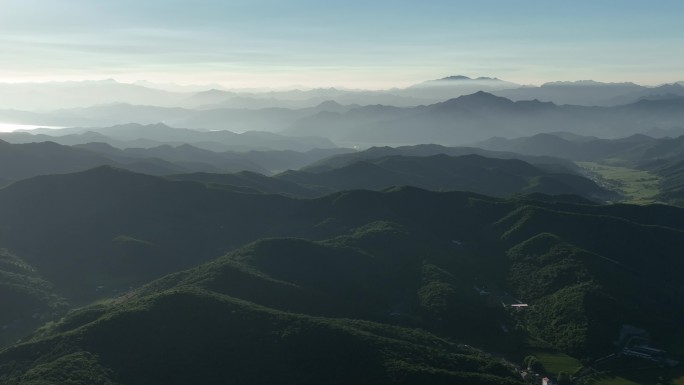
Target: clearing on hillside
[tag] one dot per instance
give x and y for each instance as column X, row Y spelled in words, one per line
column 638, row 186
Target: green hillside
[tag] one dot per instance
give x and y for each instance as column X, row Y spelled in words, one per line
column 217, row 339
column 401, row 260
column 373, row 170
column 27, row 300
column 250, row 182
column 548, row 163
column 496, row 177
column 641, row 168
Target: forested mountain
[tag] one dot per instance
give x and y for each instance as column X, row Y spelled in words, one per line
column 663, row 157
column 20, row 161
column 33, row 155
column 375, row 168
column 550, row 163
column 496, row 177
column 27, row 300
column 264, row 161
column 337, row 193
column 395, row 260
column 635, row 148
column 282, row 258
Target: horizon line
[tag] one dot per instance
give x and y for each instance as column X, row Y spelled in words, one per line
column 221, row 85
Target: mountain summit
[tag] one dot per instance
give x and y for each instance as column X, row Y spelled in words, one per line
column 456, row 85
column 462, row 77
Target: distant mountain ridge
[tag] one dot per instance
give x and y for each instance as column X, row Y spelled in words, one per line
column 453, row 86
column 204, row 117
column 152, row 135
column 495, row 177
column 53, row 96
column 145, row 254
column 481, row 115
column 25, row 160
column 548, row 163
column 663, row 157
column 636, row 148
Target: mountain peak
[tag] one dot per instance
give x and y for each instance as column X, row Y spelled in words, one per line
column 465, row 78
column 479, row 99
column 452, row 86
column 455, row 77
column 329, row 104
column 482, row 96
column 213, row 92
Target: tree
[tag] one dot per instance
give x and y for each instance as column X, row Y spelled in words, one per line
column 532, row 363
column 564, row 378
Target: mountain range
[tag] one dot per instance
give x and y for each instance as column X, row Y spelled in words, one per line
column 663, row 157
column 152, row 135
column 479, row 116
column 495, row 177
column 72, row 95
column 339, row 169
column 453, row 110
column 591, row 93
column 389, row 275
column 270, row 119
column 342, row 236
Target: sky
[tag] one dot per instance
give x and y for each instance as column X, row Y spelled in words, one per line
column 369, row 44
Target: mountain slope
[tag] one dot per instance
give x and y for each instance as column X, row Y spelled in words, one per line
column 144, row 225
column 663, row 157
column 151, row 135
column 192, row 157
column 546, row 162
column 497, row 177
column 19, row 161
column 217, row 339
column 454, row 86
column 383, row 272
column 405, row 257
column 634, row 148
column 26, row 299
column 251, row 182
column 583, row 92
column 479, row 116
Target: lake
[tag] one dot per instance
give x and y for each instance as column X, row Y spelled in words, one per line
column 10, row 127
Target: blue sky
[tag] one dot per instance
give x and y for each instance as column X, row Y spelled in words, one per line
column 362, row 44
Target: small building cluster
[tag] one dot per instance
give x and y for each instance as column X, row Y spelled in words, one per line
column 636, row 342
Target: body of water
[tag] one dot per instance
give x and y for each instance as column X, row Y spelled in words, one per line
column 10, row 127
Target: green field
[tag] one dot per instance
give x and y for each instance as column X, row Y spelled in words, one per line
column 638, row 186
column 615, row 381
column 557, row 362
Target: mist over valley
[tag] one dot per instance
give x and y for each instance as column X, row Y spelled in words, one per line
column 386, row 192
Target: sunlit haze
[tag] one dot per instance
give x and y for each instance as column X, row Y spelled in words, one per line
column 385, row 192
column 355, row 44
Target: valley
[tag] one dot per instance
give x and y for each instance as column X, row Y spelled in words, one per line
column 436, row 263
column 637, row 186
column 306, row 193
